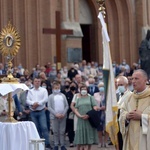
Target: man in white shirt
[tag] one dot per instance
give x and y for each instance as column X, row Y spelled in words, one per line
column 36, row 99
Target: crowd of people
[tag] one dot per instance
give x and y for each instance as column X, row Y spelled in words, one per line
column 58, row 101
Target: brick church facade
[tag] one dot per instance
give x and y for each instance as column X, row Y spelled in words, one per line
column 127, row 22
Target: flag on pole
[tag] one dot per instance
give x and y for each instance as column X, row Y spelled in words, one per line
column 111, row 100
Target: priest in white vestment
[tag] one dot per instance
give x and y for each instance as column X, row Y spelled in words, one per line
column 134, row 115
column 124, row 93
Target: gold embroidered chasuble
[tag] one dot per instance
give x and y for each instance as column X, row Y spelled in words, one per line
column 134, row 137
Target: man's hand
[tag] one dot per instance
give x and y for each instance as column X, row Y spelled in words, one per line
column 134, row 115
column 3, row 113
column 57, row 116
column 46, row 108
column 27, row 111
column 60, row 116
column 20, row 113
column 35, row 105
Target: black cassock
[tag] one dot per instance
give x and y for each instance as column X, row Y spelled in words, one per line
column 144, row 53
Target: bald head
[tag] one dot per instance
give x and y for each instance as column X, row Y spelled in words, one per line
column 122, row 83
column 123, row 80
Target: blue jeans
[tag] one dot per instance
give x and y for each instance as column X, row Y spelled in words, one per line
column 39, row 118
column 47, row 113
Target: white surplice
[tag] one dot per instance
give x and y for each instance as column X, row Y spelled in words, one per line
column 125, row 96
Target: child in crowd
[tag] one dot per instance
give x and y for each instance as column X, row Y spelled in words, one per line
column 58, row 106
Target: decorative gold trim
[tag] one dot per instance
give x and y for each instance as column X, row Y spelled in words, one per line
column 101, row 4
column 9, row 41
column 112, row 127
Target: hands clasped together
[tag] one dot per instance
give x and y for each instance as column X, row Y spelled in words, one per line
column 60, row 116
column 134, row 115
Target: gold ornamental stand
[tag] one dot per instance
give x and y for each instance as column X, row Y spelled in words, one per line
column 9, row 45
column 10, row 110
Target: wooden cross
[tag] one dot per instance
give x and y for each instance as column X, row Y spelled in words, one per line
column 58, row 32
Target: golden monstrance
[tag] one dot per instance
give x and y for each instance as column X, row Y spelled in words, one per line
column 9, row 45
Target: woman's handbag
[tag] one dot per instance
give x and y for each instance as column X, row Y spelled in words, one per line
column 94, row 118
column 71, row 115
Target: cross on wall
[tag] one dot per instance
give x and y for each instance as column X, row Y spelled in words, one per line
column 58, row 31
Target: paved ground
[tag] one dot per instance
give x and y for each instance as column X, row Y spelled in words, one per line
column 94, row 147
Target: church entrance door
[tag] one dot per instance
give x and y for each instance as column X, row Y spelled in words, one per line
column 86, row 42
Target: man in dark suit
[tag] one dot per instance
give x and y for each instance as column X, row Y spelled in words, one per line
column 72, row 72
column 144, row 53
column 92, row 88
